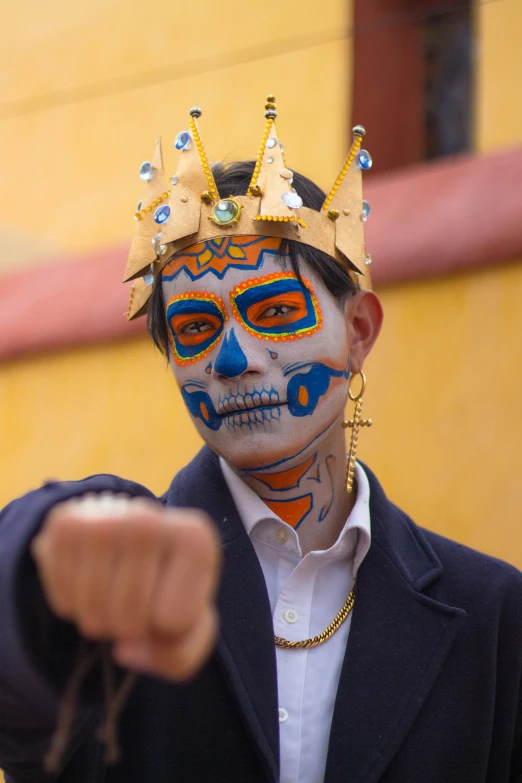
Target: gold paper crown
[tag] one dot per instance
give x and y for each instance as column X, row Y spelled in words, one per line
column 189, row 209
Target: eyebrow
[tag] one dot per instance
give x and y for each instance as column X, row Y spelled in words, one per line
column 196, row 302
column 257, row 292
column 192, row 305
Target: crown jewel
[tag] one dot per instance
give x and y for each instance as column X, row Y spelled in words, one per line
column 190, row 210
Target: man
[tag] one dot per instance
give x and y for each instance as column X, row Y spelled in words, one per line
column 352, row 645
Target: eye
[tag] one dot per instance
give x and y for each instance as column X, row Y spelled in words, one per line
column 275, row 310
column 196, row 327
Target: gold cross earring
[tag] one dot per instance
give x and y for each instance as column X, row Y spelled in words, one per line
column 354, row 424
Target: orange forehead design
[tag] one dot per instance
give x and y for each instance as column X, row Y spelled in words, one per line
column 216, row 256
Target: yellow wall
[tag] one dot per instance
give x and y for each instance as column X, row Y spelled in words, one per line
column 499, row 64
column 444, row 393
column 87, row 87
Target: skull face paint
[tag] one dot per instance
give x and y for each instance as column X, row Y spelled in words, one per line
column 277, row 306
column 261, row 361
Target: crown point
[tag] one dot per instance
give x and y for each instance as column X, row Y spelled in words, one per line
column 195, row 112
column 271, row 98
column 359, row 130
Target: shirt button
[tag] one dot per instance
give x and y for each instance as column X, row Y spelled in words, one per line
column 291, row 616
column 281, row 535
column 283, row 715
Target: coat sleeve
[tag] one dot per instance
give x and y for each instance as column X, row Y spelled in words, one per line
column 509, row 676
column 38, row 651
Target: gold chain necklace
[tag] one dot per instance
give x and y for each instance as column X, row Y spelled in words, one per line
column 322, row 637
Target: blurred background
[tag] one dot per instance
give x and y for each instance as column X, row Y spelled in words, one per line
column 87, row 87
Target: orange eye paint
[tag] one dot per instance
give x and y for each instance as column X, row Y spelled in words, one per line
column 251, row 300
column 180, row 322
column 294, row 300
column 191, row 308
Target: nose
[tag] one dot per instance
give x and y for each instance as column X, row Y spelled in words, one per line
column 231, row 362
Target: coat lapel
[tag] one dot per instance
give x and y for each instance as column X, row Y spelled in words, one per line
column 399, row 639
column 246, row 644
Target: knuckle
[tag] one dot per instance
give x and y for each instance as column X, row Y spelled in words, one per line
column 61, row 534
column 144, row 532
column 126, row 616
column 127, row 627
column 195, row 536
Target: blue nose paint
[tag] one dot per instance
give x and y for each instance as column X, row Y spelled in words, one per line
column 231, row 361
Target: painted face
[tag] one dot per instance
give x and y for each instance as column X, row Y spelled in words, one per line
column 261, row 358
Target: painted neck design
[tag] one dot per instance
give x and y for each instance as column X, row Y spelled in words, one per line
column 309, row 495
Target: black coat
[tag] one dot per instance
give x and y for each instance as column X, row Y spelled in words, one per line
column 430, row 688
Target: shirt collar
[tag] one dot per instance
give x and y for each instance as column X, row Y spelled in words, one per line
column 252, row 510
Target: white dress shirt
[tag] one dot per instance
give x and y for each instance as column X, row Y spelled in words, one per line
column 305, row 595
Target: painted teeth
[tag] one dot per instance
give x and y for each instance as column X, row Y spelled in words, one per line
column 236, row 403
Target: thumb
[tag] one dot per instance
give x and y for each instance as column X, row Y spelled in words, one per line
column 176, row 658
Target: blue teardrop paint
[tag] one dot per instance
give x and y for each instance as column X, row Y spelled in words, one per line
column 231, row 361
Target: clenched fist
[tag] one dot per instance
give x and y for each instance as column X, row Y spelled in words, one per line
column 133, row 572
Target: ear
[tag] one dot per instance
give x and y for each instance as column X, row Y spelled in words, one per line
column 364, row 315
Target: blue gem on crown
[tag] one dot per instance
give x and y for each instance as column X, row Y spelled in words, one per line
column 162, row 214
column 182, row 140
column 147, row 171
column 366, row 209
column 365, row 160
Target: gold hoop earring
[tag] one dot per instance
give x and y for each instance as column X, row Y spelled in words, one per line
column 354, row 424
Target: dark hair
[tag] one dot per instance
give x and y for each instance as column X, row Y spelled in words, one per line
column 233, row 180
